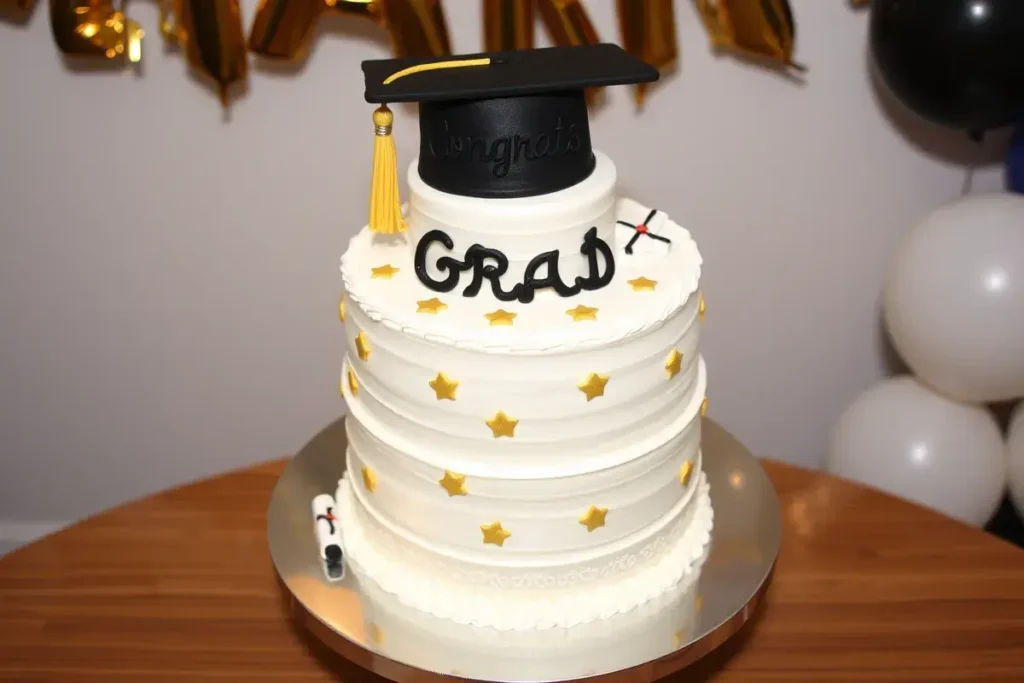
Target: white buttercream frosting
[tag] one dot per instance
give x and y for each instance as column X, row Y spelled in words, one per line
column 534, row 474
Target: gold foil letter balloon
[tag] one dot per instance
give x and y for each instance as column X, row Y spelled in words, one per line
column 283, row 29
column 17, row 10
column 756, row 28
column 568, row 22
column 93, row 28
column 417, row 27
column 210, row 33
column 648, row 31
column 508, row 25
column 647, row 27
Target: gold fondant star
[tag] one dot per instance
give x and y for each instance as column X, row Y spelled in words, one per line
column 502, row 425
column 494, row 533
column 385, row 272
column 593, row 386
column 353, row 383
column 362, row 346
column 685, row 471
column 500, row 317
column 698, row 604
column 704, row 407
column 443, row 387
column 375, row 635
column 582, row 312
column 641, row 283
column 369, row 479
column 700, row 309
column 679, row 637
column 454, row 484
column 341, row 308
column 594, row 518
column 673, row 363
column 431, row 306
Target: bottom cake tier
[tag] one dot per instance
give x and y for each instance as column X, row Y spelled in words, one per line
column 411, row 636
column 563, row 592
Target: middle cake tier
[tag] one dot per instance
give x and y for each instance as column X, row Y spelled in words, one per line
column 592, row 406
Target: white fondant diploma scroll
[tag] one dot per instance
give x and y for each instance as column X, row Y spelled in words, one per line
column 328, row 537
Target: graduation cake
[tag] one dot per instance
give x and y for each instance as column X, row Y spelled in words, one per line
column 522, row 375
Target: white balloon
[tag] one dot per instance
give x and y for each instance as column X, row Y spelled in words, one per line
column 1015, row 450
column 954, row 298
column 901, row 437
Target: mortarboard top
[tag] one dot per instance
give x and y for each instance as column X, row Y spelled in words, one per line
column 520, row 72
column 504, row 124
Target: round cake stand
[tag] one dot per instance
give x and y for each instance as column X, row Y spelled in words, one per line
column 353, row 617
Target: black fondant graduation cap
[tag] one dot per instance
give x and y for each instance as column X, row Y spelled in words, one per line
column 503, row 124
column 504, row 74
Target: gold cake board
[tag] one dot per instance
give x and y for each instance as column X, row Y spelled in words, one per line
column 410, row 645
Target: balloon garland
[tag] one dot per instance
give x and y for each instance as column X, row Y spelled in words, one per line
column 221, row 60
column 953, row 301
column 209, row 33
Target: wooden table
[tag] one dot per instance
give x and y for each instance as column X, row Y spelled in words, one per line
column 179, row 587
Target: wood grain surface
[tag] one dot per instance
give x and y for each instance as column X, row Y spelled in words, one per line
column 179, row 587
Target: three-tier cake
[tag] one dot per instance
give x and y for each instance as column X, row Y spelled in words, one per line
column 522, row 375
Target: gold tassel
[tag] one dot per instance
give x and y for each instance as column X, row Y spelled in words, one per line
column 385, row 206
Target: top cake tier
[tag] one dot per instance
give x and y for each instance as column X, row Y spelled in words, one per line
column 656, row 273
column 562, row 234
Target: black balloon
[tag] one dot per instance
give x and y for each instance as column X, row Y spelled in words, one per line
column 959, row 63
